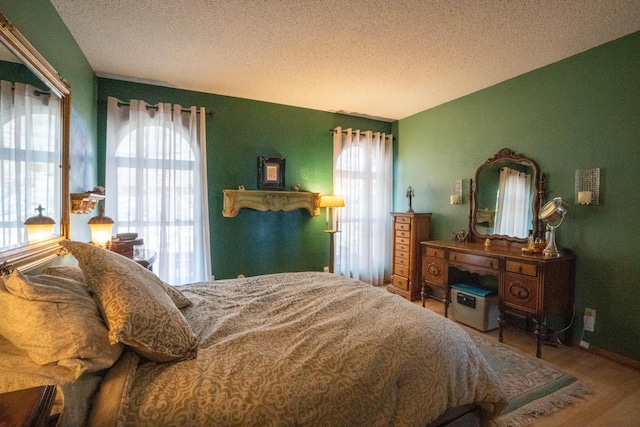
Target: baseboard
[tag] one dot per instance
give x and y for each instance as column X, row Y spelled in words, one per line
column 624, row 360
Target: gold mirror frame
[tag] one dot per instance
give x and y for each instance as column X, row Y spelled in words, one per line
column 504, row 157
column 28, row 256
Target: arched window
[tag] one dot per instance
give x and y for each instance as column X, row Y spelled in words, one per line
column 156, row 185
column 363, row 163
column 30, row 157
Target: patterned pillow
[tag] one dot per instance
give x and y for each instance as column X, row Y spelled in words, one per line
column 74, row 272
column 56, row 321
column 134, row 302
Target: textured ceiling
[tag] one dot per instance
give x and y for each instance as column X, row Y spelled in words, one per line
column 381, row 58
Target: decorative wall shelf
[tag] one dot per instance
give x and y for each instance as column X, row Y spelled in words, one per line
column 260, row 200
column 83, row 203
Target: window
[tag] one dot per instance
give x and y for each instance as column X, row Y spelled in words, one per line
column 159, row 186
column 29, row 158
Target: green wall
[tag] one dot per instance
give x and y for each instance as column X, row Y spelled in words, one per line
column 579, row 113
column 40, row 23
column 242, row 130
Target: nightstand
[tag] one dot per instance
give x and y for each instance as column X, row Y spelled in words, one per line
column 29, row 407
column 148, row 261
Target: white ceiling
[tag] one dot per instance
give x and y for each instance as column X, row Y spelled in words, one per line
column 381, row 58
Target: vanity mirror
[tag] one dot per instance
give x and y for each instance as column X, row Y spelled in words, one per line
column 508, row 192
column 34, row 150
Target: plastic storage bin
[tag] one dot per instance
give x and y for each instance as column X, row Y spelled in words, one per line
column 474, row 306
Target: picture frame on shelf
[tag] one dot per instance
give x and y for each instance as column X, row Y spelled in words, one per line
column 271, row 173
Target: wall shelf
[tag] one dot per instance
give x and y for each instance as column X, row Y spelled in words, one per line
column 260, row 200
column 83, row 203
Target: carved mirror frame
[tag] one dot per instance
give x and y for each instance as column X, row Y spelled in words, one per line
column 31, row 255
column 506, row 156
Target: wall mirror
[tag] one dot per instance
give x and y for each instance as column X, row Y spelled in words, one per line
column 508, row 191
column 34, row 150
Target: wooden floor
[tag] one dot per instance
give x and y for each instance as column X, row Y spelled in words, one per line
column 615, row 398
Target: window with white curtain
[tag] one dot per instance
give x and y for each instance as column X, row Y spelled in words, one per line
column 513, row 203
column 159, row 188
column 29, row 158
column 363, row 175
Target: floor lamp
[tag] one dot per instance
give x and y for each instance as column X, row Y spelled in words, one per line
column 331, row 202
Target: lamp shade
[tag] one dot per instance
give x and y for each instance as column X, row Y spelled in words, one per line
column 331, row 201
column 39, row 227
column 100, row 229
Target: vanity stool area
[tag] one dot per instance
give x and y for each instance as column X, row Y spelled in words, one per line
column 534, row 286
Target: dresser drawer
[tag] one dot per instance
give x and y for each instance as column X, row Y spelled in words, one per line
column 521, row 268
column 433, row 252
column 400, row 233
column 401, row 270
column 402, row 254
column 402, row 226
column 479, row 260
column 402, row 247
column 403, row 219
column 401, row 261
column 521, row 292
column 434, row 270
column 400, row 282
column 403, row 240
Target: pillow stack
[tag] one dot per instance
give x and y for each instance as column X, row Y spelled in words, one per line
column 56, row 321
column 135, row 304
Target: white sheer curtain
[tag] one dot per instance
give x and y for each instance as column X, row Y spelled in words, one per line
column 30, row 144
column 513, row 203
column 363, row 174
column 156, row 184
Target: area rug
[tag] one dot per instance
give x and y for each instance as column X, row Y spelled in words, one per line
column 534, row 388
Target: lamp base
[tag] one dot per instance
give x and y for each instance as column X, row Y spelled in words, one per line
column 551, row 250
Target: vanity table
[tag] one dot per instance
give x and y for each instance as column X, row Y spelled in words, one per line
column 529, row 285
column 532, row 285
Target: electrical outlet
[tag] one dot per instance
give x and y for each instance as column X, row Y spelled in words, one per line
column 325, row 269
column 589, row 319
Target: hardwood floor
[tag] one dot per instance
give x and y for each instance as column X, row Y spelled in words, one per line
column 615, row 397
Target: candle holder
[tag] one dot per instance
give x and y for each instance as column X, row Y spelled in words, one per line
column 587, row 191
column 456, row 192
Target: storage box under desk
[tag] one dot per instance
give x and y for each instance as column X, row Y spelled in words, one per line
column 474, row 307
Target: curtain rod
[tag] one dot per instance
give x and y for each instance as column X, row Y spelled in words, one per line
column 155, row 107
column 353, row 131
column 35, row 92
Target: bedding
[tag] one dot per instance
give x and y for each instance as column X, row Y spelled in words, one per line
column 283, row 349
column 303, row 349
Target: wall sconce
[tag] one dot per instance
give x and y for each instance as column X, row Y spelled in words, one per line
column 39, row 227
column 587, row 190
column 101, row 229
column 456, row 192
column 332, row 202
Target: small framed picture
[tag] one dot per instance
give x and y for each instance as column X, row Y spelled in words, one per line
column 270, row 173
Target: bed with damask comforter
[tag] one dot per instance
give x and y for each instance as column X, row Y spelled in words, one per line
column 283, row 349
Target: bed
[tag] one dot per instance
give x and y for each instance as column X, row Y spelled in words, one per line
column 305, row 348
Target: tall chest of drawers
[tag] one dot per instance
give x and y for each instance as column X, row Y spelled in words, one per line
column 409, row 229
